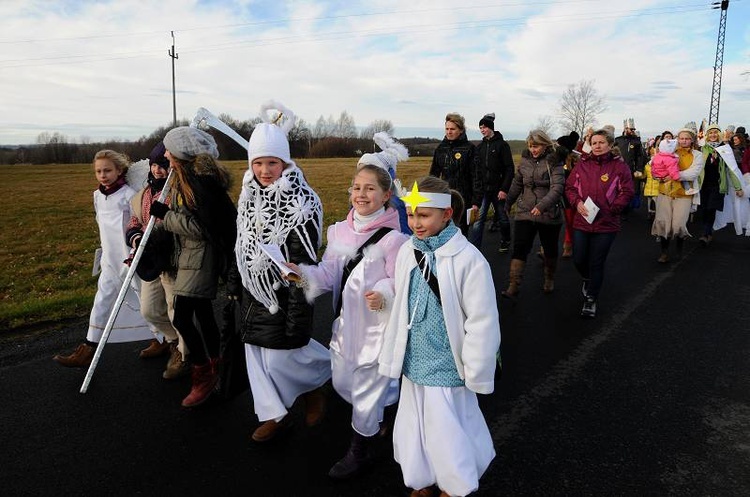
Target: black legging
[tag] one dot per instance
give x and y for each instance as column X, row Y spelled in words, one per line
column 523, row 238
column 202, row 343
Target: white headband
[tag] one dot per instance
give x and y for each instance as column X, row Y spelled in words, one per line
column 426, row 199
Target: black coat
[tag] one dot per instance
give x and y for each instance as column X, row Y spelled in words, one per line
column 453, row 161
column 631, row 150
column 494, row 165
column 291, row 326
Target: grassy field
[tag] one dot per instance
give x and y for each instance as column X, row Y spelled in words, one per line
column 49, row 234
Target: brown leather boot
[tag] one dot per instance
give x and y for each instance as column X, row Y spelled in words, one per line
column 270, row 429
column 514, row 279
column 80, row 358
column 205, row 379
column 155, row 349
column 423, row 492
column 567, row 250
column 176, row 366
column 550, row 266
column 315, row 406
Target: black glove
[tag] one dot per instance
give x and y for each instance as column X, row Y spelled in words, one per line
column 159, row 210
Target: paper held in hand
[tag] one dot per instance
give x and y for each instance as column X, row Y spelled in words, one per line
column 592, row 208
column 274, row 253
column 97, row 268
column 471, row 216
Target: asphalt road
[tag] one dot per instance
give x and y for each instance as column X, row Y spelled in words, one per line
column 650, row 398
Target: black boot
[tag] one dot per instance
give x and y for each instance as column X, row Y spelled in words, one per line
column 678, row 245
column 355, row 459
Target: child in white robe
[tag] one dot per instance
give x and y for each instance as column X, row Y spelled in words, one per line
column 278, row 207
column 112, row 207
column 361, row 257
column 443, row 337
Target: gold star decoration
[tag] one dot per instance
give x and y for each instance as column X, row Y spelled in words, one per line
column 414, row 198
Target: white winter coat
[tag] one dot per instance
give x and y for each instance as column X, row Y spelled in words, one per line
column 467, row 293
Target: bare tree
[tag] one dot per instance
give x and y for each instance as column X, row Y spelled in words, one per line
column 345, row 127
column 376, row 126
column 580, row 105
column 547, row 124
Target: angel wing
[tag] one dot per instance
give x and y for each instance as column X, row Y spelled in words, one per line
column 138, row 174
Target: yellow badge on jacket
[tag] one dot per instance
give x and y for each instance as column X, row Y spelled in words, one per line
column 605, row 177
column 458, row 155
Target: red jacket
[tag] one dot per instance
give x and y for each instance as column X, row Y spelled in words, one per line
column 609, row 183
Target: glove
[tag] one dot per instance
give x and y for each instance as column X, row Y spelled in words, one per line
column 159, row 210
column 130, row 258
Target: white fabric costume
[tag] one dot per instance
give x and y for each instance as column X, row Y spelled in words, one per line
column 358, row 332
column 268, row 215
column 112, row 216
column 440, row 436
column 736, row 209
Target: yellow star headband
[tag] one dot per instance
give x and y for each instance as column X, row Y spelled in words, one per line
column 418, row 199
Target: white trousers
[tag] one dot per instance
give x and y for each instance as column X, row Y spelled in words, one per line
column 440, row 437
column 671, row 216
column 366, row 390
column 278, row 377
column 157, row 307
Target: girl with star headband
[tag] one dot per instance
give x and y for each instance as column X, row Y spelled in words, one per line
column 442, row 340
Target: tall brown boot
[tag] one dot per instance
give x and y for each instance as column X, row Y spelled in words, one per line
column 514, row 279
column 550, row 265
column 205, row 378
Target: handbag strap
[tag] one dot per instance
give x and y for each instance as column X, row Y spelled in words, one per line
column 375, row 238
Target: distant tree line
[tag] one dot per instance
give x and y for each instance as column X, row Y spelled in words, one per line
column 328, row 137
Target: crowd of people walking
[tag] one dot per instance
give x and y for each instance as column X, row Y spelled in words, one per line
column 416, row 323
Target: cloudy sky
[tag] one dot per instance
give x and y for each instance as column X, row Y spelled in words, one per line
column 93, row 70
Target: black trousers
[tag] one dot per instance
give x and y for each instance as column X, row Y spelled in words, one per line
column 525, row 232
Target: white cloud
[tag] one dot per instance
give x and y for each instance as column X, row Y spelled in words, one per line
column 101, row 69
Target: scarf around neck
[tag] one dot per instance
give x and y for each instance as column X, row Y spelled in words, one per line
column 267, row 216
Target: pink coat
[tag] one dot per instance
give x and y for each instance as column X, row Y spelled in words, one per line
column 665, row 165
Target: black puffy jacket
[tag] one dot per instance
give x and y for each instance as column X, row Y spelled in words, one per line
column 291, row 326
column 494, row 165
column 453, row 161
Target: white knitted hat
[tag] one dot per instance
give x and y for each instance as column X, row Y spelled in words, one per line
column 186, row 143
column 392, row 153
column 269, row 138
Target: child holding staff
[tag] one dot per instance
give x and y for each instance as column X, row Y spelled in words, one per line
column 358, row 267
column 442, row 339
column 112, row 207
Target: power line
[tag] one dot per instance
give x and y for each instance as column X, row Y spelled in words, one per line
column 410, row 29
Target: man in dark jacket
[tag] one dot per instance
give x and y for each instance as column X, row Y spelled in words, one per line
column 494, row 169
column 634, row 156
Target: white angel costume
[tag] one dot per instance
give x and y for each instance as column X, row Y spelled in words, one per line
column 358, row 332
column 112, row 216
column 736, row 209
column 287, row 208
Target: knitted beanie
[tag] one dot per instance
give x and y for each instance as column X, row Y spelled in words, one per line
column 157, row 156
column 186, row 143
column 269, row 139
column 488, row 120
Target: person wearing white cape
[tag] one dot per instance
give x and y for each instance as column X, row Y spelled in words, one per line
column 112, row 207
column 278, row 207
column 717, row 197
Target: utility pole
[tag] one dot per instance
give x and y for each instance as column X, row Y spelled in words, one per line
column 173, row 56
column 713, row 113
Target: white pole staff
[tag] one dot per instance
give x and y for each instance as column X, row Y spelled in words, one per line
column 123, row 291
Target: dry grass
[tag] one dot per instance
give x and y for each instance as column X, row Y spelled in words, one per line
column 49, row 234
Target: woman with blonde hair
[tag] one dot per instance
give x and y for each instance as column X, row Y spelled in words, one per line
column 673, row 205
column 537, row 188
